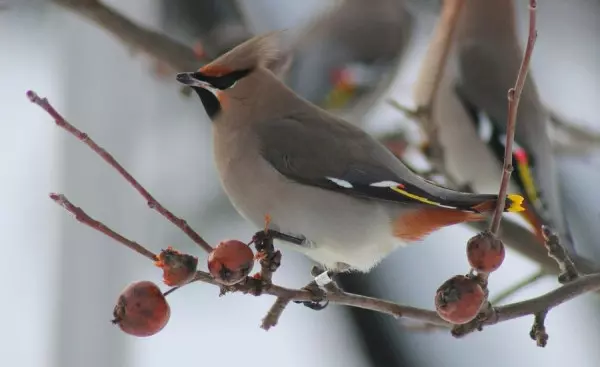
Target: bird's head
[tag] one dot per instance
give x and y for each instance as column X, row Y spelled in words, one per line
column 214, row 81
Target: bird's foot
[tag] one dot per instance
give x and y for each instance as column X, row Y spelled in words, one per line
column 269, row 258
column 323, row 284
column 319, row 297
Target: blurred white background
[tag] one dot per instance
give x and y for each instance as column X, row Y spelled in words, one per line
column 61, row 279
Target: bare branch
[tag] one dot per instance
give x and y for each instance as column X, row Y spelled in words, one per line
column 152, row 202
column 568, row 271
column 583, row 284
column 82, row 217
column 272, row 317
column 514, row 96
column 538, row 330
column 158, row 45
column 430, row 76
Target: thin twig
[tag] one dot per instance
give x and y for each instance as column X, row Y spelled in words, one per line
column 538, row 330
column 178, row 56
column 568, row 271
column 82, row 217
column 434, row 65
column 514, row 96
column 430, row 76
column 108, row 158
column 275, row 312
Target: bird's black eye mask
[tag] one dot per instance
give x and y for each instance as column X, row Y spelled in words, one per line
column 222, row 82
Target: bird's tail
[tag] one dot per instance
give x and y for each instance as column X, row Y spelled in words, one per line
column 514, row 204
column 419, row 222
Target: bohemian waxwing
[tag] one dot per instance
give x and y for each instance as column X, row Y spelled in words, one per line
column 354, row 37
column 323, row 181
column 470, row 110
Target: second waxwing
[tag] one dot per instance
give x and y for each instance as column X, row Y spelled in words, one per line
column 354, row 34
column 471, row 114
column 342, row 198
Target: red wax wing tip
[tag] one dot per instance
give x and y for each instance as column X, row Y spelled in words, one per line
column 199, row 50
column 400, row 186
column 521, row 155
column 341, row 76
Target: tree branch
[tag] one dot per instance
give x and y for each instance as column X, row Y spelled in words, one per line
column 514, row 97
column 272, row 317
column 84, row 218
column 568, row 271
column 533, row 306
column 430, row 76
column 175, row 54
column 152, row 202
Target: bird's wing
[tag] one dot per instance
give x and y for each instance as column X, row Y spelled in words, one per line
column 318, row 149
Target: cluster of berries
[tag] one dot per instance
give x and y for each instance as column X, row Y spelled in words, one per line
column 142, row 308
column 459, row 299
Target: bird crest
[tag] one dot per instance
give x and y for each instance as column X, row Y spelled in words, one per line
column 258, row 51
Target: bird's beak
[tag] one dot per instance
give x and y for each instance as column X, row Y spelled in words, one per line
column 189, row 80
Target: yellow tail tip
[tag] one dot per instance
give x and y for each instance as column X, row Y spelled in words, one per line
column 516, row 203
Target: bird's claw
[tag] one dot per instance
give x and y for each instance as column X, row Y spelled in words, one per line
column 319, row 301
column 271, row 261
column 317, row 306
column 263, row 241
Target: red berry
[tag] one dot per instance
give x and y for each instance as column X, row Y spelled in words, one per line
column 485, row 252
column 230, row 262
column 141, row 310
column 178, row 268
column 459, row 299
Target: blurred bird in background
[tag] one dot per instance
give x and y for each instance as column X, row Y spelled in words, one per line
column 216, row 25
column 470, row 112
column 347, row 51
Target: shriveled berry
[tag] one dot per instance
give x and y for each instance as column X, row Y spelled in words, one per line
column 178, row 268
column 230, row 262
column 141, row 309
column 459, row 299
column 485, row 252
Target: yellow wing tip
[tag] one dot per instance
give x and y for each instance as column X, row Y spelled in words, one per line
column 516, row 203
